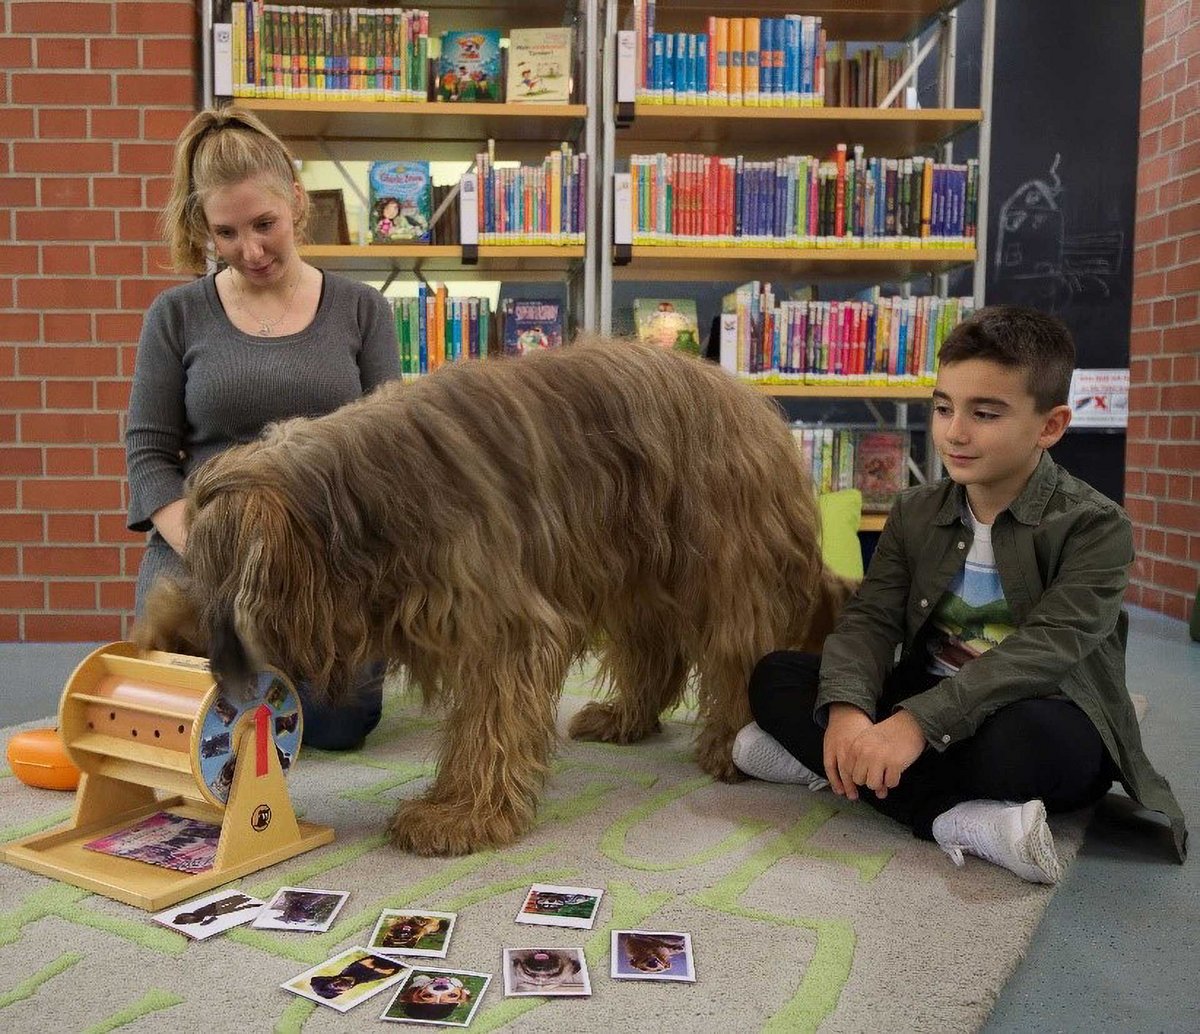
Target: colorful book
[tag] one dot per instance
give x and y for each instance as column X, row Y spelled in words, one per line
column 469, row 69
column 668, row 322
column 881, row 467
column 539, row 66
column 401, row 196
column 531, row 324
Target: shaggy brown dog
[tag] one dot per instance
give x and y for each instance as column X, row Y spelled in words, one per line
column 485, row 527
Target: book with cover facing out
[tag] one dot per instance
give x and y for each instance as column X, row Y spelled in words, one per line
column 669, row 322
column 539, row 66
column 881, row 467
column 401, row 201
column 469, row 66
column 530, row 324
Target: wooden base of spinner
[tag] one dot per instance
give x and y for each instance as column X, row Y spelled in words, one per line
column 152, row 732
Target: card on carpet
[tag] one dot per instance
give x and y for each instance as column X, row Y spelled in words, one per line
column 348, row 979
column 550, row 905
column 210, row 915
column 301, row 908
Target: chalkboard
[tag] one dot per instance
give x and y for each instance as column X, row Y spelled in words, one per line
column 1063, row 179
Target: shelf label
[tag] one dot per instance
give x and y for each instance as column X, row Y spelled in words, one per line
column 622, row 209
column 626, row 66
column 223, row 59
column 468, row 210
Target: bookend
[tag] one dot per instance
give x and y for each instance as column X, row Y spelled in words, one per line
column 154, row 732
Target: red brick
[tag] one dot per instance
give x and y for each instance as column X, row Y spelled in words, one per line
column 1166, row 255
column 1184, row 279
column 1184, row 516
column 72, row 628
column 1160, row 427
column 61, row 53
column 128, row 360
column 70, row 461
column 15, row 395
column 1179, row 489
column 116, row 193
column 71, row 561
column 1156, row 484
column 138, row 294
column 110, row 461
column 1141, row 454
column 16, row 52
column 50, row 17
column 1177, row 576
column 1160, row 370
column 118, row 328
column 1140, row 510
column 157, row 19
column 115, row 124
column 144, row 159
column 70, row 395
column 19, row 326
column 72, row 595
column 1189, row 248
column 16, row 123
column 59, row 88
column 18, row 192
column 163, row 124
column 70, row 494
column 70, row 528
column 1157, row 58
column 65, row 225
column 90, row 428
column 162, row 91
column 118, row 53
column 1154, row 171
column 1187, row 308
column 112, row 395
column 116, row 595
column 76, row 293
column 8, row 494
column 20, row 461
column 139, row 226
column 1187, row 42
column 1156, row 541
column 20, row 527
column 1181, row 339
column 1185, row 219
column 133, row 558
column 17, row 258
column 66, row 258
column 174, row 54
column 65, row 192
column 115, row 259
column 75, row 157
column 67, row 327
column 23, row 595
column 1181, row 428
column 62, row 123
column 157, row 191
column 1186, row 368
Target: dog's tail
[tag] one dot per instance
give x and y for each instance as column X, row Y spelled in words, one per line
column 831, row 595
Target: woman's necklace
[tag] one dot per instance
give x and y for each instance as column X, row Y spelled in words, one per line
column 266, row 327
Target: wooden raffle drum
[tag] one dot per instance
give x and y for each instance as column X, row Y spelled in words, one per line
column 138, row 722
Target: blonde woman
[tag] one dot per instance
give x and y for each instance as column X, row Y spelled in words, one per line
column 265, row 338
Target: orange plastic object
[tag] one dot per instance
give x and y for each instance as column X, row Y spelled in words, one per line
column 38, row 759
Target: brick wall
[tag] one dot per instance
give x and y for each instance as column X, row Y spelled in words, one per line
column 1162, row 480
column 92, row 95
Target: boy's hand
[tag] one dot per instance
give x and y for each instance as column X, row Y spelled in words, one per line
column 879, row 755
column 846, row 724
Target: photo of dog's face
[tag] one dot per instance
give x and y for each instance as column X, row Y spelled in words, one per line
column 425, row 934
column 545, row 971
column 408, row 931
column 652, row 955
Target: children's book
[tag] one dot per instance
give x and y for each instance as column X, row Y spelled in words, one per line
column 171, row 841
column 469, row 68
column 401, row 201
column 532, row 324
column 669, row 322
column 881, row 467
column 539, row 66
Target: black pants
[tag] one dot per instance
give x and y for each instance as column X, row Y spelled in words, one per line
column 1040, row 747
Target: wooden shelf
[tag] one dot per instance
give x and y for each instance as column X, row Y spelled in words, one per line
column 367, row 130
column 895, row 392
column 699, row 262
column 444, row 261
column 874, row 20
column 719, row 129
column 872, row 522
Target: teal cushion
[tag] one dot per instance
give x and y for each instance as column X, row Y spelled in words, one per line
column 840, row 516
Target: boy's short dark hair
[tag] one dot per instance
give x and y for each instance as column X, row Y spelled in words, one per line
column 1014, row 335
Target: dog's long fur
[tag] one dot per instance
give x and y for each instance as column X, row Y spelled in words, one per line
column 486, row 526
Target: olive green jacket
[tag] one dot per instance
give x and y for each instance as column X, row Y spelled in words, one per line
column 1063, row 552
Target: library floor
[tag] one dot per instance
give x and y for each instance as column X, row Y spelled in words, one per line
column 1116, row 950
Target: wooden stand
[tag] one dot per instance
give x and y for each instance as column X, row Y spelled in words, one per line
column 121, row 776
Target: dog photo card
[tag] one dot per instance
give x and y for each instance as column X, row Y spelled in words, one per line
column 442, row 997
column 301, row 908
column 210, row 915
column 422, row 934
column 545, row 971
column 652, row 955
column 548, row 905
column 348, row 979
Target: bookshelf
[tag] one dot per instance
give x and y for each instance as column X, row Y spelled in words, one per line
column 769, row 132
column 340, row 130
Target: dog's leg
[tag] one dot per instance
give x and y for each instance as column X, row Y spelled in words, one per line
column 724, row 709
column 646, row 679
column 493, row 758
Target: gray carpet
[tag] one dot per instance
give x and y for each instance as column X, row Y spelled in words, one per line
column 803, row 909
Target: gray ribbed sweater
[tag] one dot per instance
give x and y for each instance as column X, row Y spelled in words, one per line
column 201, row 385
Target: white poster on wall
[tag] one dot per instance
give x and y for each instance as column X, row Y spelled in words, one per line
column 1099, row 398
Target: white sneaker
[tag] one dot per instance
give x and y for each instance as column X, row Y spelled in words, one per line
column 1015, row 836
column 760, row 755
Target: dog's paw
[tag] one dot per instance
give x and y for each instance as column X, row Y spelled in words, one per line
column 428, row 826
column 606, row 723
column 718, row 763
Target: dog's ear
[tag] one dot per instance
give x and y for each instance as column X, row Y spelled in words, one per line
column 227, row 654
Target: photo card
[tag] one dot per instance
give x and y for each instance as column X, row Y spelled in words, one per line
column 549, row 905
column 546, row 971
column 652, row 955
column 301, row 908
column 210, row 915
column 418, row 933
column 348, row 979
column 441, row 997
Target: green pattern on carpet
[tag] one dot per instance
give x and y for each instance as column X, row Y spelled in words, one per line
column 799, row 905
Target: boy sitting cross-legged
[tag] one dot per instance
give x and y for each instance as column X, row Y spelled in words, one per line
column 1001, row 585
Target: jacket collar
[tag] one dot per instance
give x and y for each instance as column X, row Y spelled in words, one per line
column 1027, row 508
